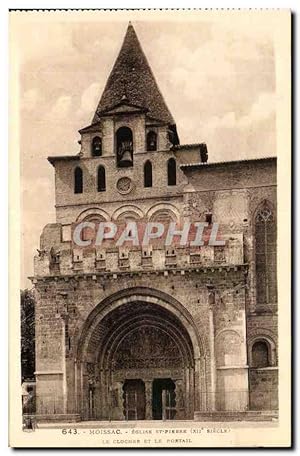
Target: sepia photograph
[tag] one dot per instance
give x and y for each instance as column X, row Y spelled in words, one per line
column 152, row 304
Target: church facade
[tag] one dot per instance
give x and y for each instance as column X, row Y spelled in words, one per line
column 155, row 332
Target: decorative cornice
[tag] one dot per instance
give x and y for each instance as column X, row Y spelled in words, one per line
column 113, row 275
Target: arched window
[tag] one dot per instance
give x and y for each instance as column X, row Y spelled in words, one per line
column 124, row 147
column 151, row 140
column 260, row 354
column 97, row 146
column 163, row 216
column 265, row 251
column 101, row 182
column 78, row 180
column 148, row 174
column 171, row 171
column 128, row 216
column 89, row 233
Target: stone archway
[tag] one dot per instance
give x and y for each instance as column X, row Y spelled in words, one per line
column 138, row 340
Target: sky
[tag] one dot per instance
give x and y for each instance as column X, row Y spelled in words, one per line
column 218, row 80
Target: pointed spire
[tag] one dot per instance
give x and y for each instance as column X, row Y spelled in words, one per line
column 131, row 75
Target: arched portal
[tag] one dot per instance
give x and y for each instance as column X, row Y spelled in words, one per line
column 137, row 360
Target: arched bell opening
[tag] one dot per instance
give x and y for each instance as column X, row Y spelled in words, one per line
column 138, row 342
column 151, row 141
column 124, row 145
column 96, row 147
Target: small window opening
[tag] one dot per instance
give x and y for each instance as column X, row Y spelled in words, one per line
column 171, row 171
column 148, row 174
column 101, row 180
column 78, row 180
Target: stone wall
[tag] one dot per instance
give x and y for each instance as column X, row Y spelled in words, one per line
column 65, row 197
column 216, row 287
column 70, row 301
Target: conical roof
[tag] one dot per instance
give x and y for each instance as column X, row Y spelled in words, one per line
column 132, row 77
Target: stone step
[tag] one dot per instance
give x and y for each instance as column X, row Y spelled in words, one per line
column 251, row 415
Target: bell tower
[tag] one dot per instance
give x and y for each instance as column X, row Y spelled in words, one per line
column 130, row 151
column 131, row 116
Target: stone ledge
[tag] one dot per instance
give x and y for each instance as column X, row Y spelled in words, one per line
column 232, row 367
column 59, row 417
column 250, row 415
column 54, row 372
column 267, row 368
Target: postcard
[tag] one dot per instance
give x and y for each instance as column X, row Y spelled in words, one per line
column 150, row 261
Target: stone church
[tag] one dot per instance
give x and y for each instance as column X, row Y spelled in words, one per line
column 155, row 333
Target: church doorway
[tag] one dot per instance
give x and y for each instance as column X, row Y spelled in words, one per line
column 134, row 400
column 163, row 399
column 139, row 360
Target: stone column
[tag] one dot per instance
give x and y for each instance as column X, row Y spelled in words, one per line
column 197, row 388
column 203, row 389
column 212, row 393
column 119, row 401
column 192, row 391
column 81, row 402
column 148, row 393
column 75, row 386
column 180, row 409
column 98, row 395
column 187, row 391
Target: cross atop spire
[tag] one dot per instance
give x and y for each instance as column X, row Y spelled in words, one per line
column 132, row 74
